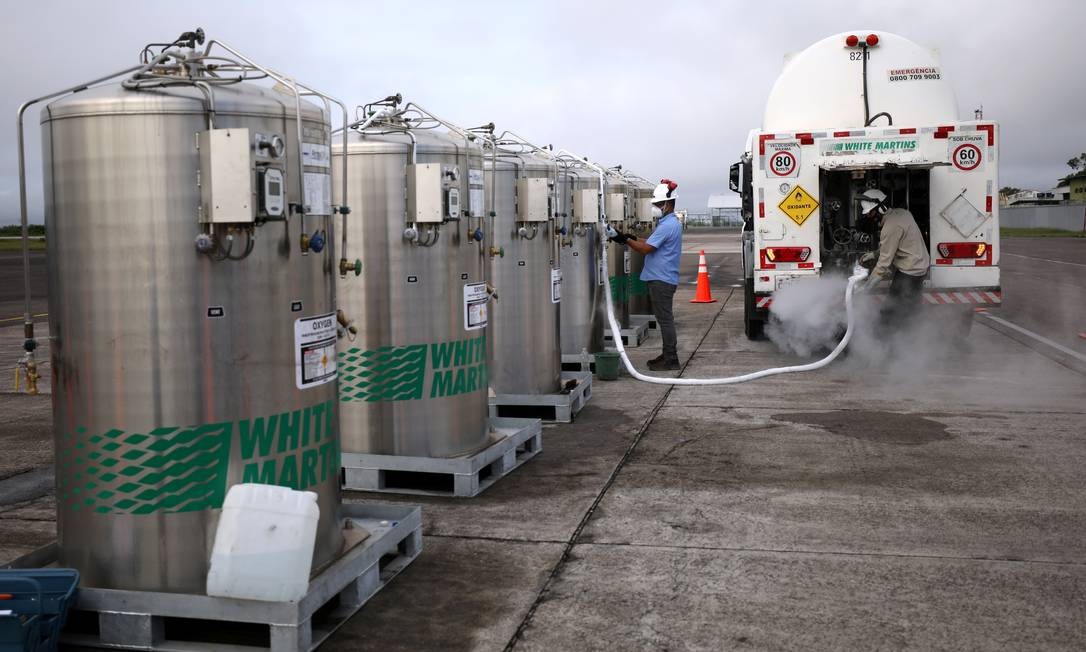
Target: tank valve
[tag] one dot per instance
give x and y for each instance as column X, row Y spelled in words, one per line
column 497, row 251
column 316, row 242
column 29, row 367
column 204, row 243
column 305, row 243
column 411, row 233
column 478, row 235
column 345, row 267
column 346, row 326
column 491, row 292
column 562, row 231
column 522, row 232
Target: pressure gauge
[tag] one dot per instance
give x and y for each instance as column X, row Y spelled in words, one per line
column 276, row 147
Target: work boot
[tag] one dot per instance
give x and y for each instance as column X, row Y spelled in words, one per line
column 667, row 364
column 657, row 360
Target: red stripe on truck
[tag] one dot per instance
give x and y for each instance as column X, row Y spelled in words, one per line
column 908, row 130
column 761, row 142
column 991, row 134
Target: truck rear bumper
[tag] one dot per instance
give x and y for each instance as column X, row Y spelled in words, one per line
column 982, row 297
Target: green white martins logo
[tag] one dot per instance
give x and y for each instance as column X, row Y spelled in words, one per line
column 184, row 469
column 412, row 372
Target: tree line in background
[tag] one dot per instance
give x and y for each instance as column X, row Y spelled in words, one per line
column 16, row 230
column 1078, row 169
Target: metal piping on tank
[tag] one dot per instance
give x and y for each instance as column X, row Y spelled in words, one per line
column 28, row 363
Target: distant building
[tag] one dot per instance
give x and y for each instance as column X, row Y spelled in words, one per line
column 1076, row 187
column 1035, row 197
column 724, row 210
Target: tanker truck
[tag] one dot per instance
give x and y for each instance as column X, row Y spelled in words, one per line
column 855, row 111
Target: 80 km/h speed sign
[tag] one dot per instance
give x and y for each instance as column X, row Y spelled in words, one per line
column 782, row 159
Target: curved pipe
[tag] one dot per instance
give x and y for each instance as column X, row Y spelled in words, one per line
column 28, row 321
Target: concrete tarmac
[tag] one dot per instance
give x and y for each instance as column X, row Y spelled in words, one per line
column 855, row 507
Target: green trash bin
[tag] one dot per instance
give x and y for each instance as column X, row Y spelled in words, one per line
column 607, row 363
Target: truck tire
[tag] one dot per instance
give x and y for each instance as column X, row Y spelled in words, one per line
column 752, row 325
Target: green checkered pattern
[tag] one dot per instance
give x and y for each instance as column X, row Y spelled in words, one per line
column 618, row 288
column 170, row 469
column 387, row 373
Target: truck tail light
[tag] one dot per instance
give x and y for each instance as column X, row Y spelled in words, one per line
column 852, row 40
column 962, row 249
column 787, row 254
column 872, row 40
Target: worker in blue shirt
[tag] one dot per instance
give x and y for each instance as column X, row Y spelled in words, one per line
column 662, row 250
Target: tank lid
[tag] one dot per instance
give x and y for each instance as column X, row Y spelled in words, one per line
column 234, row 99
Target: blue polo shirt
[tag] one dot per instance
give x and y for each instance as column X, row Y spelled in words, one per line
column 663, row 264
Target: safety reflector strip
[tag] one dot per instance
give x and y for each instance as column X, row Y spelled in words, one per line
column 982, row 297
column 764, row 302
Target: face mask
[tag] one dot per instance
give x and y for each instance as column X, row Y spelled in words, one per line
column 657, row 213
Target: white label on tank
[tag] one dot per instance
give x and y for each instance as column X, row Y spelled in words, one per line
column 318, row 193
column 919, row 73
column 319, row 156
column 314, row 350
column 601, row 271
column 475, row 300
column 475, row 193
column 556, row 285
column 966, row 151
column 625, row 260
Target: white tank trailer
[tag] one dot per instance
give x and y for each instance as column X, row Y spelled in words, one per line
column 192, row 311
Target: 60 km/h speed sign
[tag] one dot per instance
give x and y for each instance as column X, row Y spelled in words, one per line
column 966, row 157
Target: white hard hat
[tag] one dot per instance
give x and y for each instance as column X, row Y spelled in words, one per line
column 665, row 191
column 871, row 198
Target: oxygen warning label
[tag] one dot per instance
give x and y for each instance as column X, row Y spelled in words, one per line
column 798, row 205
column 475, row 193
column 475, row 300
column 556, row 285
column 314, row 350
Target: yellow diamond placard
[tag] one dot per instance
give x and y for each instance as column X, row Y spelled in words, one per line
column 798, row 205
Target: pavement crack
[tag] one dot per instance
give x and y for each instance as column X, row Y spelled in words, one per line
column 575, row 537
column 834, row 553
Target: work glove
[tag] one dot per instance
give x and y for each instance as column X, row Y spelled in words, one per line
column 869, row 259
column 618, row 236
column 868, row 283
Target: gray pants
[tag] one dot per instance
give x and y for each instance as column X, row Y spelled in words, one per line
column 662, row 295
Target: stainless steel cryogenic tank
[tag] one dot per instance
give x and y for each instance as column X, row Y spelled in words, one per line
column 192, row 341
column 618, row 256
column 641, row 224
column 414, row 382
column 582, row 291
column 525, row 355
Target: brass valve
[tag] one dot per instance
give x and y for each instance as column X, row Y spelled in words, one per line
column 497, row 251
column 345, row 267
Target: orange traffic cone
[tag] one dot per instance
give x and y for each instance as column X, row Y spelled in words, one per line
column 702, row 295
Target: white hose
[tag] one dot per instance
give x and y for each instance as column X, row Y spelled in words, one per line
column 858, row 274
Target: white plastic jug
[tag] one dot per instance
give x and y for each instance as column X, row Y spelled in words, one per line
column 264, row 544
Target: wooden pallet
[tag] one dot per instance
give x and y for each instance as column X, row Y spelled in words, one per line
column 515, row 442
column 167, row 622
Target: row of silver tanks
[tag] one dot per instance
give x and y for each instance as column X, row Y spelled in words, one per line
column 178, row 372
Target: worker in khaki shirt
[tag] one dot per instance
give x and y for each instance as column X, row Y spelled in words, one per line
column 902, row 257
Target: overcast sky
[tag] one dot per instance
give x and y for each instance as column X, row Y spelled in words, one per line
column 664, row 88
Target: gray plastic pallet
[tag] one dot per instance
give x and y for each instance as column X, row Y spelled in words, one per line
column 515, row 442
column 174, row 622
column 560, row 407
column 576, row 362
column 632, row 337
column 646, row 319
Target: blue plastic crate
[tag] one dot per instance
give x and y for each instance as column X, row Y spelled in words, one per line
column 44, row 594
